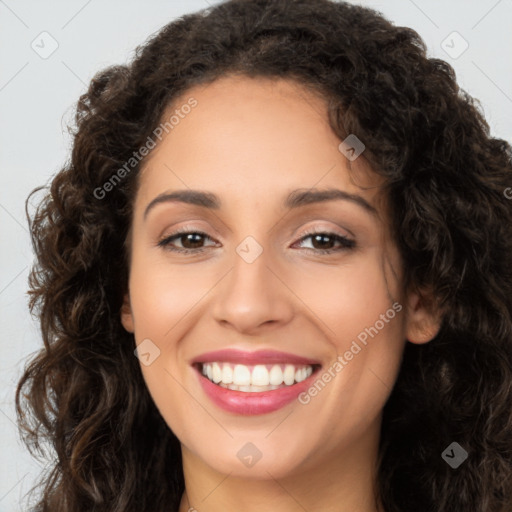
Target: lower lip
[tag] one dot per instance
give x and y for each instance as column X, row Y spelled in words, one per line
column 251, row 403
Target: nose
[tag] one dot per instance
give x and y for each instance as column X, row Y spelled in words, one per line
column 253, row 297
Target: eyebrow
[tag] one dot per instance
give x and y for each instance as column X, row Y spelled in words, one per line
column 295, row 199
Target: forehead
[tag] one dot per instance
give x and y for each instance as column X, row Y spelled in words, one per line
column 252, row 135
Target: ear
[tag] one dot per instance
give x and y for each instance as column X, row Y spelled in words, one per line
column 126, row 314
column 423, row 320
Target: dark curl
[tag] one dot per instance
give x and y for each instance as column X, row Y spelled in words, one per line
column 445, row 178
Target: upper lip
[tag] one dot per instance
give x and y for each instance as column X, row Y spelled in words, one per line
column 252, row 358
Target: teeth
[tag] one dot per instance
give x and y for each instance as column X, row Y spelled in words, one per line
column 303, row 374
column 260, row 377
column 241, row 375
column 276, row 375
column 289, row 374
column 227, row 374
column 248, row 388
column 216, row 373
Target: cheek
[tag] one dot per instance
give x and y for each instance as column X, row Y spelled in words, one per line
column 347, row 298
column 163, row 294
column 161, row 297
column 362, row 319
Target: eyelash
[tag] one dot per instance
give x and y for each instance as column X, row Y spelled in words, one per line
column 346, row 243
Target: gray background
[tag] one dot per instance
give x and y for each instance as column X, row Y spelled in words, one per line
column 36, row 103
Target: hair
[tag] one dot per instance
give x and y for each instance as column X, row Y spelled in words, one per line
column 83, row 397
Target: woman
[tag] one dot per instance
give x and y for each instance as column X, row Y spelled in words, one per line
column 276, row 275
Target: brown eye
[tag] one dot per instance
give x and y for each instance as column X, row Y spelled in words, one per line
column 323, row 242
column 191, row 241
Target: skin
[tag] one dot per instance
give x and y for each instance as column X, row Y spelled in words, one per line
column 251, row 141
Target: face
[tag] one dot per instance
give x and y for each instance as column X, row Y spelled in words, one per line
column 289, row 301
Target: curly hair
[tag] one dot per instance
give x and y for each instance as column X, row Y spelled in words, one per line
column 445, row 177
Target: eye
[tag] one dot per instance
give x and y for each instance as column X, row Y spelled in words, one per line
column 322, row 242
column 192, row 242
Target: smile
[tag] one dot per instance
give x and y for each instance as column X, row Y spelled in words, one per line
column 240, row 377
column 252, row 383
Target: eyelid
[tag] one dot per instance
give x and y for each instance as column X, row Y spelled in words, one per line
column 324, row 229
column 184, row 230
column 305, row 231
column 347, row 242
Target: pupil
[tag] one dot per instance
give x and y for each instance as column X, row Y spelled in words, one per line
column 188, row 238
column 322, row 239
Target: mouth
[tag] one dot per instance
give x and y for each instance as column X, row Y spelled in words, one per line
column 253, row 382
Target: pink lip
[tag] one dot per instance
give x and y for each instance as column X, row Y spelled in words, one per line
column 252, row 403
column 240, row 402
column 252, row 358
